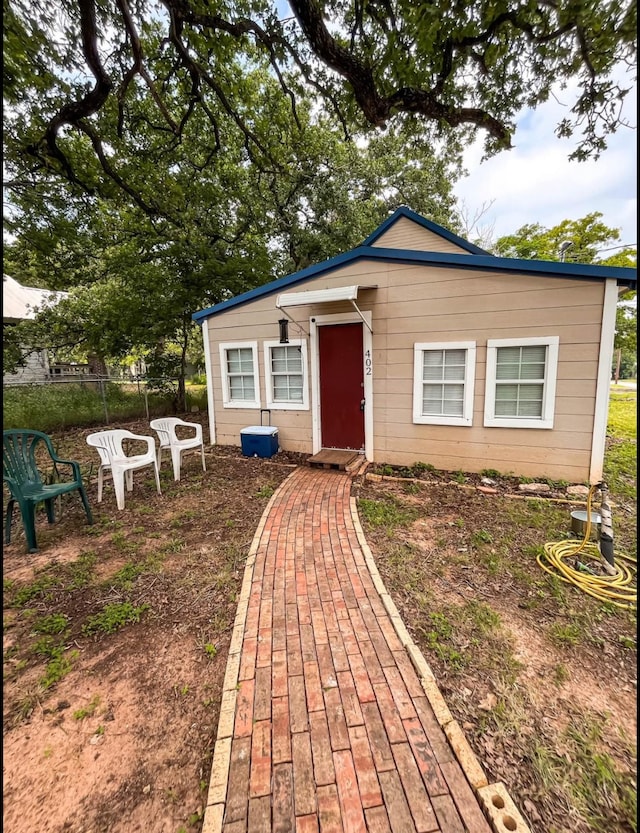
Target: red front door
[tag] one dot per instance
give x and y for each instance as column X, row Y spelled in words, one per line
column 341, row 386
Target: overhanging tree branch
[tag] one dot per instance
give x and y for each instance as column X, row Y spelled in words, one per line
column 138, row 68
column 73, row 112
column 452, row 65
column 378, row 108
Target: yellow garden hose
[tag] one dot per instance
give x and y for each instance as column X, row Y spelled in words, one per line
column 619, row 589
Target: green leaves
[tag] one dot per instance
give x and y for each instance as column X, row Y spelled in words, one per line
column 588, row 237
column 226, row 220
column 162, row 161
column 163, row 78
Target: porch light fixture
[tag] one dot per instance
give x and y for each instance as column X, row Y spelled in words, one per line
column 283, row 323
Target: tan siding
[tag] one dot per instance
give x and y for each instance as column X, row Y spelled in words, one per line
column 574, row 424
column 450, row 282
column 536, row 452
column 294, row 427
column 576, row 334
column 406, row 234
column 570, row 419
column 408, row 321
column 552, row 462
column 401, row 303
column 421, row 304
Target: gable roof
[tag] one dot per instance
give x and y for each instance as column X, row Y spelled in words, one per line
column 18, row 301
column 441, row 231
column 476, row 259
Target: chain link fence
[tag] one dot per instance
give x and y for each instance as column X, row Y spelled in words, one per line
column 91, row 398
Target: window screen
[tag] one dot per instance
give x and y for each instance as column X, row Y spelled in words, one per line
column 520, row 379
column 443, row 381
column 240, row 373
column 287, row 374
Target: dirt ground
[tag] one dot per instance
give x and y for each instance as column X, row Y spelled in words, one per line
column 111, row 730
column 542, row 679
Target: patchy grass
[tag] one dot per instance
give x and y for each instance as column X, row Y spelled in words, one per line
column 113, row 617
column 59, row 406
column 587, row 777
column 89, row 710
column 622, row 422
column 388, row 513
column 541, row 676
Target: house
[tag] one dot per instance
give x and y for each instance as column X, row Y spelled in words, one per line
column 419, row 346
column 18, row 304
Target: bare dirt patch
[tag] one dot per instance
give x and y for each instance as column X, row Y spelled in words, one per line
column 112, row 731
column 123, row 741
column 541, row 677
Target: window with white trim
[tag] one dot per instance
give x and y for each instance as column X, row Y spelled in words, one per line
column 286, row 375
column 240, row 377
column 521, row 382
column 443, row 378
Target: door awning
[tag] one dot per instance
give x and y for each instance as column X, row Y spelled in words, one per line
column 323, row 296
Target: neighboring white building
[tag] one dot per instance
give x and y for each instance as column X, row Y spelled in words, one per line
column 18, row 304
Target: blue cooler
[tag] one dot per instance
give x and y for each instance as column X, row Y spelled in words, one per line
column 259, row 441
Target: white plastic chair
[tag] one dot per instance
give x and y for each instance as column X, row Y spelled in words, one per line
column 109, row 445
column 165, row 427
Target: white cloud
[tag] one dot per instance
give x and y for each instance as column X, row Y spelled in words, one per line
column 536, row 183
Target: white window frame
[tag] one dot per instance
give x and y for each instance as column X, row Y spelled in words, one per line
column 291, row 405
column 469, row 381
column 227, row 401
column 548, row 384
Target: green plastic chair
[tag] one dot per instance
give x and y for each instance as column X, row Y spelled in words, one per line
column 21, row 473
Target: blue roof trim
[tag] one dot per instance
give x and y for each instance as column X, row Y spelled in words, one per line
column 552, row 268
column 547, row 268
column 403, row 211
column 280, row 283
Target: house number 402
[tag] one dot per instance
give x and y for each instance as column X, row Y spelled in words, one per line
column 367, row 363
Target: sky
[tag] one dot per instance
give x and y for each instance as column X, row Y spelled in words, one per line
column 535, row 182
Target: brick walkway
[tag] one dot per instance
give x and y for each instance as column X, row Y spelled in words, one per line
column 325, row 724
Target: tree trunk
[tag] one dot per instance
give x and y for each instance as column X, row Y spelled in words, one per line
column 618, row 361
column 97, row 365
column 182, row 386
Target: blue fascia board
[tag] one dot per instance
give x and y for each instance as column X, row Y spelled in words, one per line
column 547, row 268
column 281, row 283
column 403, row 211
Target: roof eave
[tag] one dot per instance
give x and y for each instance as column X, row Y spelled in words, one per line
column 491, row 263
